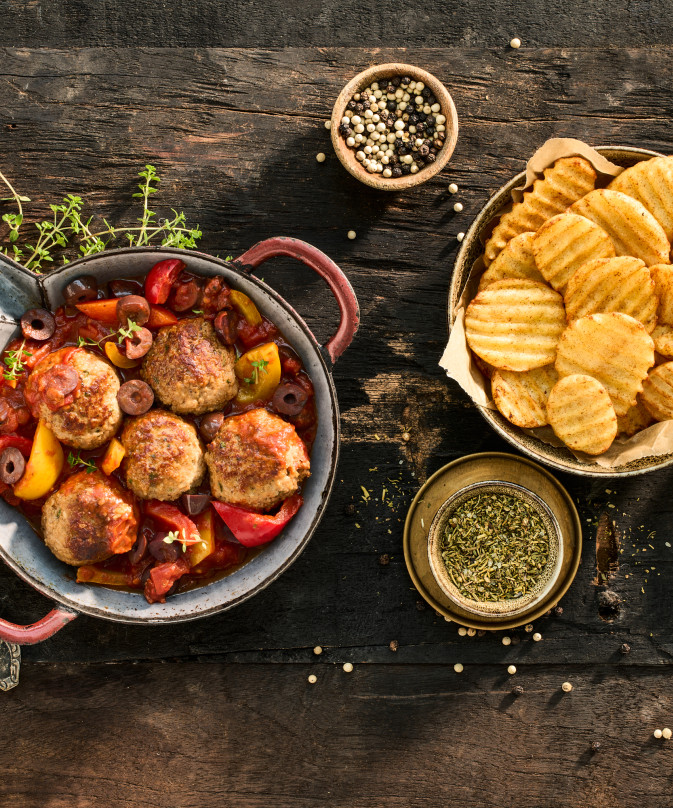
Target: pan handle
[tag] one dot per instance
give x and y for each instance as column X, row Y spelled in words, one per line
column 57, row 619
column 327, row 269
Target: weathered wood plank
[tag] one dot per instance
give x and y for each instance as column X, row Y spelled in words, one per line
column 388, row 736
column 234, row 133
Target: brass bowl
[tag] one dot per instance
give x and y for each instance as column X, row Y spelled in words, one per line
column 458, row 475
column 557, row 457
column 503, row 609
column 347, row 155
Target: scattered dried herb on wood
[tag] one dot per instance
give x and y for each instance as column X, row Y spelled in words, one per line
column 495, row 547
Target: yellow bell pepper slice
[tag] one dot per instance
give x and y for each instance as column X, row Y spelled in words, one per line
column 245, row 307
column 117, row 357
column 113, row 456
column 259, row 373
column 196, row 553
column 88, row 574
column 44, row 465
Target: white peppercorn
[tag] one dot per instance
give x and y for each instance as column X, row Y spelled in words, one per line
column 511, row 669
column 667, row 733
column 320, row 157
column 348, row 667
column 506, row 640
column 537, row 637
column 312, row 679
column 453, row 188
column 328, row 124
column 515, row 43
column 458, row 668
column 317, row 650
column 351, row 234
column 566, row 687
column 657, row 733
column 460, row 236
column 462, row 631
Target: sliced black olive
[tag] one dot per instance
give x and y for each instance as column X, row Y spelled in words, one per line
column 135, row 397
column 120, row 288
column 139, row 548
column 133, row 307
column 80, row 290
column 163, row 551
column 225, row 324
column 289, row 399
column 195, row 503
column 38, row 324
column 12, row 466
column 210, row 425
column 139, row 344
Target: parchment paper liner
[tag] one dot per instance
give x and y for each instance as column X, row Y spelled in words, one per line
column 457, row 359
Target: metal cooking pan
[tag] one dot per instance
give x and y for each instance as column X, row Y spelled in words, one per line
column 25, row 552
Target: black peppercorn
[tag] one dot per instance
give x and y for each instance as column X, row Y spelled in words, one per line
column 384, row 560
column 359, row 108
column 595, row 746
column 421, row 116
column 420, row 128
column 424, row 150
column 397, row 171
column 431, row 158
column 625, row 648
column 396, row 81
column 431, row 99
column 402, row 147
column 517, row 690
column 394, row 645
column 438, row 144
column 558, row 611
column 390, row 88
column 406, row 80
column 394, row 159
column 413, row 119
column 420, row 162
column 406, row 169
column 366, row 104
column 352, row 104
column 426, row 92
column 345, row 130
column 420, row 605
column 349, row 509
column 430, row 120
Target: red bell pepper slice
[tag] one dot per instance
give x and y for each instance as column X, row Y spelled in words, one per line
column 105, row 311
column 160, row 279
column 169, row 516
column 16, row 442
column 162, row 577
column 159, row 317
column 253, row 529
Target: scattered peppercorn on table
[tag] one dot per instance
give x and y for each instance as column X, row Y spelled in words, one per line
column 338, row 684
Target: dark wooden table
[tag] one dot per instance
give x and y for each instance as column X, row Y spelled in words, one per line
column 228, row 101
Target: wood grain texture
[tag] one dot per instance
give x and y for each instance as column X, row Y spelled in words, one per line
column 385, row 736
column 234, row 134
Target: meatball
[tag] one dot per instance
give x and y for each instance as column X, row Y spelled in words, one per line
column 88, row 519
column 85, row 417
column 189, row 369
column 163, row 457
column 256, row 460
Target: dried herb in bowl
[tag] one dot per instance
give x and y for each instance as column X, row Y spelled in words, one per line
column 495, row 547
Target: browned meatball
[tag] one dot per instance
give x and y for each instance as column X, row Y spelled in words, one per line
column 88, row 519
column 84, row 417
column 164, row 457
column 189, row 369
column 256, row 460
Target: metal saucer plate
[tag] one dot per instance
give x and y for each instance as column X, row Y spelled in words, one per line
column 477, row 468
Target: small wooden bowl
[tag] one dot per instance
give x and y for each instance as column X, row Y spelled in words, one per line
column 347, row 155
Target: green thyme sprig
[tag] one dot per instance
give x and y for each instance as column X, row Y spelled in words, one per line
column 15, row 362
column 67, row 227
column 258, row 366
column 174, row 535
column 78, row 460
column 125, row 332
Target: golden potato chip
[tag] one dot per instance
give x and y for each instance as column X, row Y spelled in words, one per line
column 657, row 395
column 566, row 242
column 663, row 340
column 613, row 348
column 484, row 367
column 515, row 324
column 651, row 183
column 636, row 418
column 515, row 261
column 632, row 228
column 662, row 275
column 522, row 397
column 581, row 414
column 613, row 284
column 569, row 179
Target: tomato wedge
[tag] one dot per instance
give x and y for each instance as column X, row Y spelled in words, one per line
column 174, row 519
column 161, row 278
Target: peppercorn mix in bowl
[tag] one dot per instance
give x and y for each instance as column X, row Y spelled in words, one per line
column 495, row 549
column 394, row 126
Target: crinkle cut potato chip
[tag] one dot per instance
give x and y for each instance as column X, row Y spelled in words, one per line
column 663, row 340
column 636, row 418
column 515, row 324
column 613, row 284
column 563, row 183
column 632, row 228
column 657, row 395
column 515, row 261
column 566, row 242
column 613, row 348
column 522, row 397
column 662, row 275
column 581, row 414
column 651, row 183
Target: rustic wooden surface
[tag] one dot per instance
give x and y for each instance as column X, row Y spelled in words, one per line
column 234, row 133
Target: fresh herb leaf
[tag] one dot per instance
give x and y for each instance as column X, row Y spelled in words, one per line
column 258, row 366
column 78, row 460
column 15, row 362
